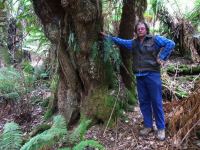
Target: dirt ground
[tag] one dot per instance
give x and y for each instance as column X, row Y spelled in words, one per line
column 125, row 136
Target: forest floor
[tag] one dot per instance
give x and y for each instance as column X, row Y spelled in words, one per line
column 123, row 136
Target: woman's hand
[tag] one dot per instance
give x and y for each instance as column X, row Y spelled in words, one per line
column 103, row 34
column 161, row 62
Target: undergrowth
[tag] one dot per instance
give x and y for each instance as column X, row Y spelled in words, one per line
column 11, row 138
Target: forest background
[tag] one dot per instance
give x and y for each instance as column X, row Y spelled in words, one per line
column 63, row 87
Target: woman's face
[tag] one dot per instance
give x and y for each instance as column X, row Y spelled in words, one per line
column 141, row 30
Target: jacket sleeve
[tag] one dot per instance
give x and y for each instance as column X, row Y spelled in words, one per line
column 128, row 44
column 167, row 45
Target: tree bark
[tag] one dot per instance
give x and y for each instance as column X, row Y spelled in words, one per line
column 73, row 26
column 126, row 30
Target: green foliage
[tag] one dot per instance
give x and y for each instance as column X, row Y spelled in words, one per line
column 28, row 24
column 130, row 96
column 79, row 132
column 111, row 61
column 27, row 68
column 50, row 109
column 40, row 72
column 67, row 148
column 28, row 73
column 154, row 5
column 181, row 93
column 89, row 143
column 11, row 138
column 4, row 54
column 48, row 137
column 194, row 15
column 111, row 54
column 2, row 5
column 54, row 83
column 112, row 14
column 9, row 81
column 12, row 96
column 111, row 78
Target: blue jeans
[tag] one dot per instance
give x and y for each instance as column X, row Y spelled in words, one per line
column 149, row 89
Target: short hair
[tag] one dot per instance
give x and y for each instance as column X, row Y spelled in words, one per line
column 145, row 24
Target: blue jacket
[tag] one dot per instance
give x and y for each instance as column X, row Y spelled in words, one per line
column 142, row 61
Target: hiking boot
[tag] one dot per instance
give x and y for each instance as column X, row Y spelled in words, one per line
column 161, row 135
column 145, row 131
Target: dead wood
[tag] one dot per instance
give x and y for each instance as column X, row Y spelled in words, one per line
column 182, row 32
column 184, row 118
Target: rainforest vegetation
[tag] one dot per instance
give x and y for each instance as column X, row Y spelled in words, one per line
column 64, row 87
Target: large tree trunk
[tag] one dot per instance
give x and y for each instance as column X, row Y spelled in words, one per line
column 4, row 57
column 73, row 26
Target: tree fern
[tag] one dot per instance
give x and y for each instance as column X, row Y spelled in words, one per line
column 194, row 15
column 48, row 137
column 89, row 143
column 11, row 138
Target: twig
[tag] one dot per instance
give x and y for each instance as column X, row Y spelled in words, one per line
column 112, row 111
column 175, row 79
column 135, row 138
column 195, row 78
column 116, row 134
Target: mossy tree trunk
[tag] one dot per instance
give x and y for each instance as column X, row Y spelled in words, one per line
column 73, row 26
column 4, row 54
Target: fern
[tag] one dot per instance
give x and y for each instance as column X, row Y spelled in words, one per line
column 9, row 80
column 11, row 138
column 48, row 137
column 79, row 132
column 12, row 96
column 112, row 55
column 194, row 15
column 89, row 143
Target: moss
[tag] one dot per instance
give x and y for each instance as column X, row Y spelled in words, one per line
column 131, row 96
column 111, row 79
column 50, row 109
column 2, row 6
column 100, row 104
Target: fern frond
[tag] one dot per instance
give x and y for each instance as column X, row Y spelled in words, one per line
column 9, row 80
column 90, row 143
column 48, row 137
column 11, row 138
column 111, row 54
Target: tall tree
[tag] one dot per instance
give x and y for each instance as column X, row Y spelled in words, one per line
column 84, row 84
column 132, row 11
